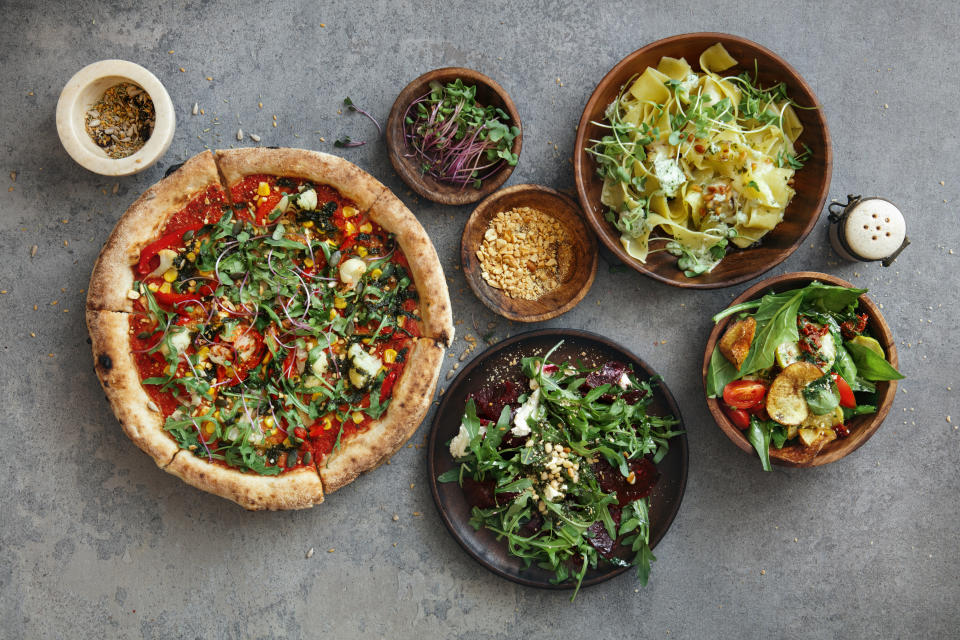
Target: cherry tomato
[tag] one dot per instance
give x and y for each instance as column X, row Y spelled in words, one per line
column 739, row 417
column 743, row 394
column 846, row 393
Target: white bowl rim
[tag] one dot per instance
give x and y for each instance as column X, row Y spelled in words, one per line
column 71, row 121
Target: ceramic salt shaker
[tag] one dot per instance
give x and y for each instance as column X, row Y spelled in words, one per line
column 867, row 230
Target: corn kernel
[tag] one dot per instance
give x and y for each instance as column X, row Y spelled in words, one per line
column 339, row 302
column 316, row 396
column 286, row 442
column 349, row 212
column 365, row 341
column 191, row 256
column 263, row 189
column 366, row 227
column 203, row 353
column 170, row 275
column 327, row 425
column 362, row 252
column 331, row 242
column 390, row 356
column 164, row 288
column 153, row 286
column 307, row 262
column 376, row 273
column 333, row 314
column 349, row 228
column 210, row 428
column 401, row 320
column 216, row 414
column 308, row 224
column 268, row 422
column 357, row 417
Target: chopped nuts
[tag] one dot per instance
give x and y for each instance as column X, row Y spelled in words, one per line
column 525, row 253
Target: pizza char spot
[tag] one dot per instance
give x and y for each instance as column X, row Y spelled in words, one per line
column 104, row 362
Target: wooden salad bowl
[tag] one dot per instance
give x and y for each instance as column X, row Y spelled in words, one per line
column 811, row 183
column 585, row 254
column 488, row 93
column 861, row 427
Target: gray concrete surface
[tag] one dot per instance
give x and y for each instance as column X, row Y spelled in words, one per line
column 95, row 541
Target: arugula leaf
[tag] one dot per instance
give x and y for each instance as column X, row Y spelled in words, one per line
column 870, row 365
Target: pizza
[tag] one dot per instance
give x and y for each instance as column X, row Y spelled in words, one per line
column 268, row 324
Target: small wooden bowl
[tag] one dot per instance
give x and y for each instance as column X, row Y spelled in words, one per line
column 812, row 182
column 861, row 427
column 567, row 213
column 488, row 93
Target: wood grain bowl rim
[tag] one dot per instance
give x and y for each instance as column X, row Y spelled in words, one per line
column 568, row 213
column 663, row 396
column 584, row 172
column 863, row 427
column 396, row 143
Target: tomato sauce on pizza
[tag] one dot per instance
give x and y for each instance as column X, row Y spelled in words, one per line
column 270, row 330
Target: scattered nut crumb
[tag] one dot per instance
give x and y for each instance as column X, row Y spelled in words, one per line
column 310, row 553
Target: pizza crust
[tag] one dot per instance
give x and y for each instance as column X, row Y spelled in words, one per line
column 320, row 168
column 390, row 213
column 115, row 367
column 112, row 275
column 295, row 489
column 410, row 402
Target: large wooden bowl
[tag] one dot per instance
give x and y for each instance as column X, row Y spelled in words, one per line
column 861, row 427
column 585, row 254
column 812, row 182
column 489, row 93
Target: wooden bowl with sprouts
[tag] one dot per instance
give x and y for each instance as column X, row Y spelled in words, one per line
column 458, row 145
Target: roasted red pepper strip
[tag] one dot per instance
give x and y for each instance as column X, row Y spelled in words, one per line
column 243, row 365
column 177, row 299
column 265, row 208
column 173, row 239
column 387, row 387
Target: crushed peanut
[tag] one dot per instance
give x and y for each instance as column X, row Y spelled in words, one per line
column 525, row 253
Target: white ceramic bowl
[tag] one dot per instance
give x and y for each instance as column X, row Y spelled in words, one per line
column 84, row 89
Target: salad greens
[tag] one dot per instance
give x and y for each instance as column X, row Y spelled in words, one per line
column 564, row 478
column 811, row 366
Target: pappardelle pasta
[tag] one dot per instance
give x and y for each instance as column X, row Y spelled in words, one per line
column 706, row 158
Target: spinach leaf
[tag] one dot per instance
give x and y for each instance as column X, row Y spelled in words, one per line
column 859, row 410
column 719, row 373
column 778, row 434
column 844, row 364
column 870, row 365
column 821, row 395
column 776, row 323
column 831, row 298
column 758, row 433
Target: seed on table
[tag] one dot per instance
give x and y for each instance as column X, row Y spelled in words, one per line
column 196, row 109
column 239, row 134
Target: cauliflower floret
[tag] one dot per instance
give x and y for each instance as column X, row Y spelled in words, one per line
column 307, row 200
column 351, row 271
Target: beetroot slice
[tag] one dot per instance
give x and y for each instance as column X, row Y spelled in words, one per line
column 611, row 480
column 609, row 373
column 482, row 494
column 601, row 540
column 491, row 400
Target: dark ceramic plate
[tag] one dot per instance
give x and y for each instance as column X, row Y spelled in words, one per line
column 502, row 362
